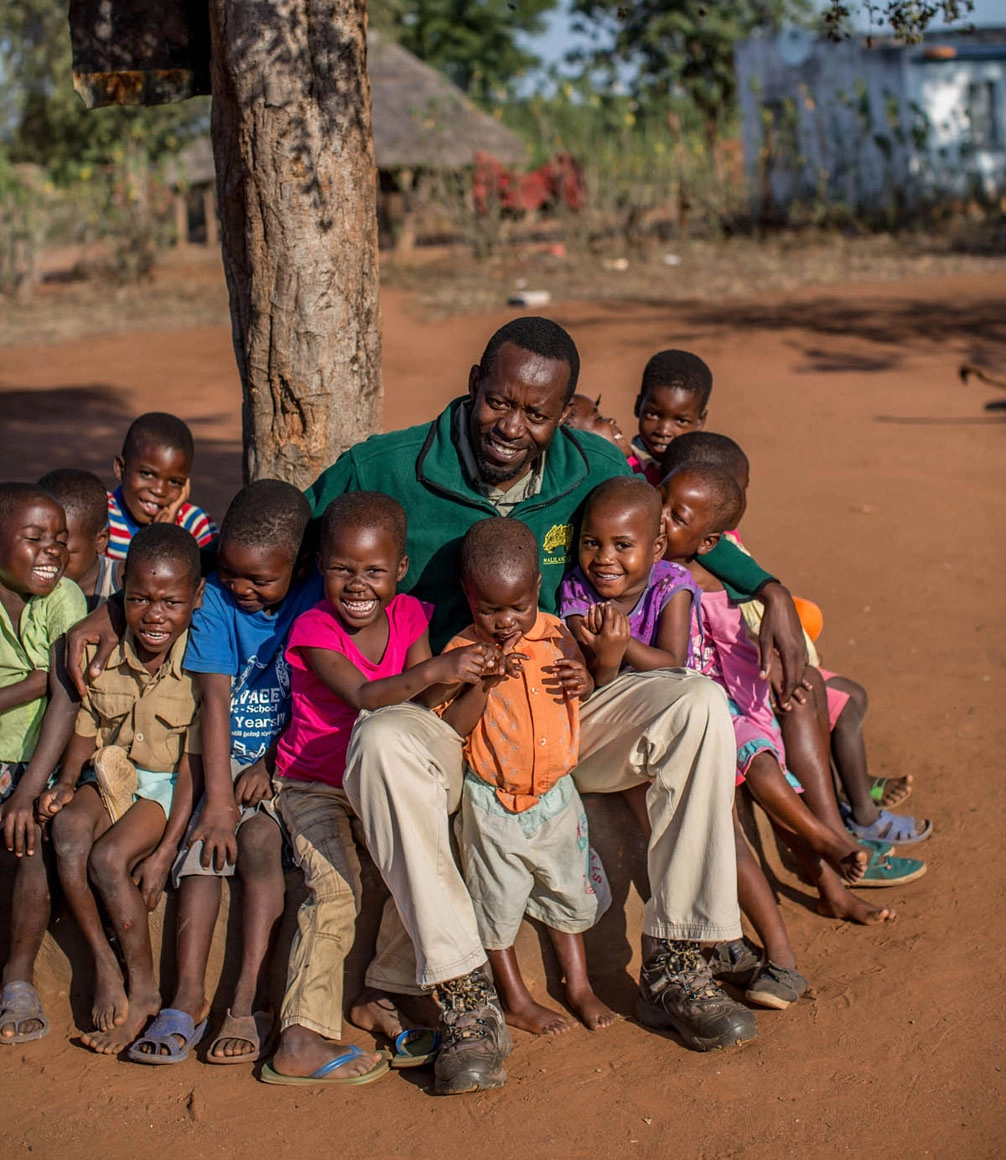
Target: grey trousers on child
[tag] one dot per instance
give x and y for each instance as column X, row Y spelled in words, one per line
column 668, row 727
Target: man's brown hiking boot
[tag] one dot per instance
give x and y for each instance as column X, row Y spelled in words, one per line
column 677, row 990
column 474, row 1040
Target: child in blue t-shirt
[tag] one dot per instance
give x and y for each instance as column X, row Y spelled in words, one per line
column 236, row 645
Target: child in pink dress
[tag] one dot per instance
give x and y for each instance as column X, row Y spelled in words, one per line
column 363, row 647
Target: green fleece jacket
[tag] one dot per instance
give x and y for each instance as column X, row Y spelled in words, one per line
column 420, row 468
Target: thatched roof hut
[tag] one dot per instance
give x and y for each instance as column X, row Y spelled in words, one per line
column 422, row 121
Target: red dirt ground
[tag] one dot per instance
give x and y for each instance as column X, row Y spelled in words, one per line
column 877, row 480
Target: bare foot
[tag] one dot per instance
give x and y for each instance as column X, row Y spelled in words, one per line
column 537, row 1019
column 110, row 1006
column 375, row 1011
column 116, row 1039
column 590, row 1009
column 301, row 1052
column 846, row 857
column 896, row 790
column 846, row 906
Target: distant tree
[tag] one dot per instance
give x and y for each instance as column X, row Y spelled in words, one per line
column 476, row 43
column 907, row 19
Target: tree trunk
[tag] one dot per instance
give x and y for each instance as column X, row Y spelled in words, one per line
column 296, row 190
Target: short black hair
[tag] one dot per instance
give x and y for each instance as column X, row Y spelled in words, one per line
column 14, row 494
column 81, row 495
column 365, row 509
column 705, row 447
column 721, row 489
column 631, row 491
column 539, row 335
column 680, row 370
column 164, row 544
column 269, row 514
column 498, row 546
column 159, row 429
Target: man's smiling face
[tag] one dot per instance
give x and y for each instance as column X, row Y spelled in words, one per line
column 516, row 409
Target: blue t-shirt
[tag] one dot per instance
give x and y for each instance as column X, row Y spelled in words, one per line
column 249, row 647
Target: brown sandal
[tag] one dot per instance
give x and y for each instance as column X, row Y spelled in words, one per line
column 254, row 1029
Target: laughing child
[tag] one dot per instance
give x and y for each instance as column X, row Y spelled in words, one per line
column 84, row 500
column 37, row 605
column 136, row 727
column 522, row 830
column 153, row 473
column 362, row 647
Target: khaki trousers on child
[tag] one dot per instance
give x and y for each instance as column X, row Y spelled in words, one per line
column 670, row 727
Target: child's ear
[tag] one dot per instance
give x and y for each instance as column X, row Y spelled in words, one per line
column 701, row 421
column 119, row 467
column 101, row 540
column 197, row 600
column 473, row 380
column 403, row 567
column 636, row 404
column 660, row 543
column 708, row 543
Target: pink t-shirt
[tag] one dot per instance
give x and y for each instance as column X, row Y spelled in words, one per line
column 313, row 748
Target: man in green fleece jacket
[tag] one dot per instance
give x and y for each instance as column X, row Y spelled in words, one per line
column 501, row 450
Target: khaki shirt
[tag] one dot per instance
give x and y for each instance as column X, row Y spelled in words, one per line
column 154, row 718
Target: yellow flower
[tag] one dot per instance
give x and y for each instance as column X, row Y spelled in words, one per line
column 630, row 119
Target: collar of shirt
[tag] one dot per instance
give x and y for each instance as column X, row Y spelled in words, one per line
column 544, row 628
column 516, row 493
column 126, row 655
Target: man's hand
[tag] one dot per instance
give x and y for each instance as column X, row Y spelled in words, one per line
column 781, row 631
column 151, row 874
column 17, row 816
column 169, row 514
column 51, row 801
column 572, row 677
column 97, row 629
column 216, row 830
column 253, row 784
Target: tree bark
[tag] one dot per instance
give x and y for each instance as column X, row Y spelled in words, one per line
column 296, row 188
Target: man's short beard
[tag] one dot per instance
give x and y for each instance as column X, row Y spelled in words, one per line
column 494, row 475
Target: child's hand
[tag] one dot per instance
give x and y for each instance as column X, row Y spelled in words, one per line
column 605, row 631
column 151, row 874
column 216, row 830
column 465, row 665
column 572, row 678
column 51, row 801
column 253, row 784
column 169, row 514
column 502, row 667
column 17, row 818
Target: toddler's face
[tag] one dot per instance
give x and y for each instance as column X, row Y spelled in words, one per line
column 159, row 598
column 618, row 549
column 152, row 479
column 664, row 414
column 361, row 568
column 257, row 577
column 504, row 608
column 33, row 547
column 585, row 415
column 688, row 520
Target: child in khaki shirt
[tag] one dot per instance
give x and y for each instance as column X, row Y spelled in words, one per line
column 123, row 832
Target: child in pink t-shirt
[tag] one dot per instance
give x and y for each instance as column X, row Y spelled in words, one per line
column 363, row 647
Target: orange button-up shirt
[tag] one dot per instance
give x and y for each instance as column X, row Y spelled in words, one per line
column 528, row 736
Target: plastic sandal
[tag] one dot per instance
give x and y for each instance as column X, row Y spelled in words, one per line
column 324, row 1074
column 895, row 829
column 415, row 1046
column 168, row 1023
column 20, row 1003
column 254, row 1029
column 885, row 870
column 879, row 788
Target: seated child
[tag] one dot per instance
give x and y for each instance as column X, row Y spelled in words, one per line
column 235, row 653
column 584, row 414
column 362, row 647
column 83, row 498
column 37, row 605
column 699, row 503
column 153, row 473
column 672, row 401
column 137, row 728
column 844, row 699
column 522, row 830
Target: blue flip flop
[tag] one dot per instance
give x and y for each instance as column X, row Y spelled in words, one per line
column 168, row 1023
column 414, row 1047
column 325, row 1073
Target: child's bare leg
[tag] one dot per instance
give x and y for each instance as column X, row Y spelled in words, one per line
column 635, row 798
column 808, row 756
column 113, row 857
column 29, row 920
column 198, row 906
column 518, row 1006
column 75, row 829
column 579, row 993
column 260, row 865
column 758, row 902
column 835, row 900
column 768, row 786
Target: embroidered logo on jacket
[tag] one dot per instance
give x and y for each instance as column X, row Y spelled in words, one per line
column 558, row 536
